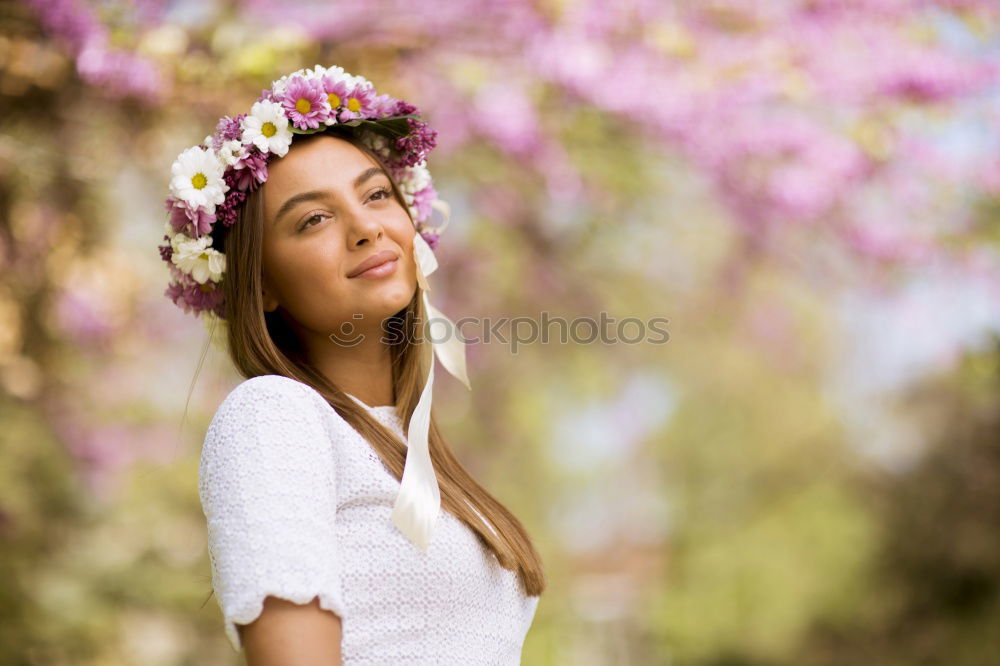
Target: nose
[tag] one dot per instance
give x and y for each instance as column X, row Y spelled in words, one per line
column 364, row 228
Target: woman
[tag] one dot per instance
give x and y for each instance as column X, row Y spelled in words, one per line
column 323, row 550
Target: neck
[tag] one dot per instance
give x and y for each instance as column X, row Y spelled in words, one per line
column 363, row 370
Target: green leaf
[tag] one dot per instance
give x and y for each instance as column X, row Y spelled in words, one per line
column 296, row 130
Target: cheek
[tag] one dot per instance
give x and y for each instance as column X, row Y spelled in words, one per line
column 408, row 263
column 302, row 272
column 401, row 232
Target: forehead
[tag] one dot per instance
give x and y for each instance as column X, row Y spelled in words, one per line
column 317, row 162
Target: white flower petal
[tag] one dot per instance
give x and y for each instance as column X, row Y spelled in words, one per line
column 260, row 114
column 197, row 179
column 197, row 258
column 231, row 151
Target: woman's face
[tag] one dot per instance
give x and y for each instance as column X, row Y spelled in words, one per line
column 328, row 207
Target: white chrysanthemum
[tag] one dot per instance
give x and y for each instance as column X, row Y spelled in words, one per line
column 231, row 151
column 268, row 128
column 415, row 178
column 317, row 72
column 359, row 80
column 197, row 179
column 337, row 74
column 278, row 86
column 195, row 257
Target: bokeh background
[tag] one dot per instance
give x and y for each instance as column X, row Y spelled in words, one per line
column 806, row 473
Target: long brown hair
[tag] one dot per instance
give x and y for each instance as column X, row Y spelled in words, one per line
column 262, row 343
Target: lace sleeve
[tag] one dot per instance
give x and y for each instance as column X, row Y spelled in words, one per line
column 267, row 484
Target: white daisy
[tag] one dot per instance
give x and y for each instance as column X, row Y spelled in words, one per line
column 231, row 151
column 197, row 179
column 268, row 128
column 195, row 257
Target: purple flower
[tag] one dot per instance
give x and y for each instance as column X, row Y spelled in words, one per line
column 431, row 238
column 414, row 146
column 266, row 94
column 404, row 108
column 250, row 171
column 167, row 250
column 189, row 222
column 193, row 297
column 227, row 212
column 228, row 129
column 305, row 102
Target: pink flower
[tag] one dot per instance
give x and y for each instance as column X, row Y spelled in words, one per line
column 431, row 238
column 383, row 106
column 191, row 223
column 336, row 92
column 305, row 103
column 422, row 201
column 250, row 171
column 359, row 104
column 193, row 297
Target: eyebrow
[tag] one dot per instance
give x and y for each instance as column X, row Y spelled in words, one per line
column 313, row 195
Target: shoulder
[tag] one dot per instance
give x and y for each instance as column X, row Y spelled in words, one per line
column 269, row 431
column 262, row 409
column 269, row 406
column 267, row 392
column 267, row 398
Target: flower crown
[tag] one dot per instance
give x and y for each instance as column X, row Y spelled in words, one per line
column 209, row 182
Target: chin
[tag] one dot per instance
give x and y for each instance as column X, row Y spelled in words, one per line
column 389, row 298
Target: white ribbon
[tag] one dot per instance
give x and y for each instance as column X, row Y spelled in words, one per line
column 418, row 503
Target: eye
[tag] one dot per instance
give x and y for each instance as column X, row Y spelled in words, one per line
column 305, row 224
column 384, row 191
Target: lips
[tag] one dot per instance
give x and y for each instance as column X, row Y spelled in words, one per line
column 371, row 262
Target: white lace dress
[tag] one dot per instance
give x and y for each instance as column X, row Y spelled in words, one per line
column 298, row 505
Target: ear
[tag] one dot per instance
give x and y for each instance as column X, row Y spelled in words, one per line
column 270, row 301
